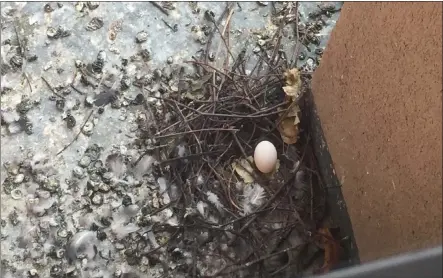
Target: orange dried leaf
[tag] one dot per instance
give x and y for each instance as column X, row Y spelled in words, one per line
column 289, row 130
column 293, row 83
column 331, row 247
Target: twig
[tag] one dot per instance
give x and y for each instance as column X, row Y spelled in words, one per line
column 297, row 37
column 74, row 76
column 250, row 263
column 78, row 134
column 52, row 89
column 240, row 146
column 203, row 64
column 194, row 131
column 173, row 29
column 177, row 123
column 22, row 50
column 259, row 114
column 196, row 155
column 228, row 51
column 211, row 35
column 158, row 6
column 76, row 89
column 221, row 33
column 189, row 127
column 29, row 82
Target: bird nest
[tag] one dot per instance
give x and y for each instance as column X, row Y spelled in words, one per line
column 239, row 221
column 245, row 223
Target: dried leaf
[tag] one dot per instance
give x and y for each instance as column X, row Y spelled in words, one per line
column 193, row 96
column 293, row 84
column 196, row 88
column 243, row 168
column 288, row 126
column 293, row 110
column 332, row 249
column 289, row 130
column 197, row 85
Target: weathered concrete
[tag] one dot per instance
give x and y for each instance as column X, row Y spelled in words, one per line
column 378, row 92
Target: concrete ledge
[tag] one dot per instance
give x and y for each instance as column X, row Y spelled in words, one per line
column 378, row 93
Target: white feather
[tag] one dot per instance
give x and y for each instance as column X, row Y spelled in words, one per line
column 122, row 231
column 163, row 190
column 152, row 239
column 120, row 226
column 214, row 200
column 200, row 180
column 162, row 184
column 253, row 197
column 28, row 233
column 131, row 210
column 202, row 209
column 162, row 216
column 212, row 219
column 116, row 164
column 181, row 150
column 300, row 180
column 38, row 206
column 81, row 240
column 173, row 221
column 143, row 166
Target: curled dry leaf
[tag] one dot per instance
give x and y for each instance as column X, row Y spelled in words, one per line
column 288, row 126
column 332, row 249
column 196, row 88
column 289, row 120
column 243, row 168
column 293, row 84
column 288, row 131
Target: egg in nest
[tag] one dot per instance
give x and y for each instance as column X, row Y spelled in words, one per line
column 265, row 157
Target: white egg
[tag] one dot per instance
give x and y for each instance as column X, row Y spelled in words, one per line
column 265, row 157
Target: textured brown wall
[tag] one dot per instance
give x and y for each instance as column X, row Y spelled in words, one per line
column 378, row 93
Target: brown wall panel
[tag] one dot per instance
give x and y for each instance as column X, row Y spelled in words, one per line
column 378, row 92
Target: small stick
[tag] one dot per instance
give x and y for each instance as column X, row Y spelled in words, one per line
column 78, row 134
column 227, row 24
column 189, row 126
column 228, row 19
column 76, row 89
column 169, row 25
column 52, row 89
column 73, row 78
column 22, row 50
column 222, row 38
column 253, row 115
column 213, row 68
column 177, row 123
column 195, row 155
column 27, row 79
column 211, row 35
column 248, row 264
column 194, row 131
column 158, row 6
column 240, row 146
